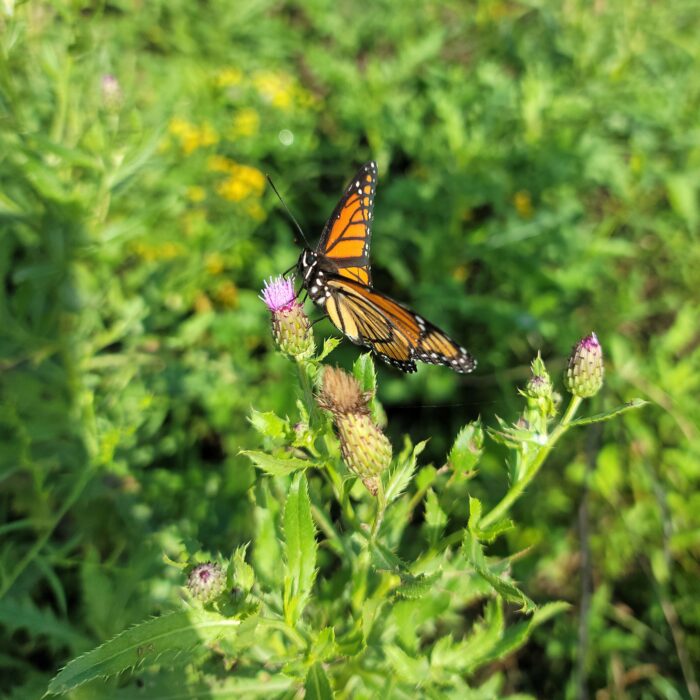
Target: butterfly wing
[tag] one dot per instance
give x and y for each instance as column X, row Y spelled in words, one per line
column 346, row 236
column 398, row 335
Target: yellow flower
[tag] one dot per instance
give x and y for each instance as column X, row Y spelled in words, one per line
column 214, row 263
column 245, row 123
column 523, row 204
column 275, row 88
column 220, row 164
column 196, row 194
column 228, row 77
column 202, row 303
column 243, row 182
column 191, row 136
column 227, row 294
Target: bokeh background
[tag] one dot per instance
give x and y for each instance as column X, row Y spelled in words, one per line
column 539, row 178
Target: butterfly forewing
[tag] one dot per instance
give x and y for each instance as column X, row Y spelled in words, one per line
column 346, row 236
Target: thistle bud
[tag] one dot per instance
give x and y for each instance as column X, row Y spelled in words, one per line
column 290, row 325
column 365, row 449
column 207, row 582
column 584, row 375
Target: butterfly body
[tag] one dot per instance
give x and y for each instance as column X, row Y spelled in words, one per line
column 337, row 278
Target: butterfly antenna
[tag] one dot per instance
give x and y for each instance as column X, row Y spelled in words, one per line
column 286, row 208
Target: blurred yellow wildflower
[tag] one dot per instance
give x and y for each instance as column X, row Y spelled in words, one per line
column 227, row 294
column 202, row 303
column 244, row 181
column 214, row 263
column 523, row 204
column 152, row 252
column 196, row 193
column 228, row 77
column 221, row 164
column 191, row 136
column 246, row 122
column 275, row 88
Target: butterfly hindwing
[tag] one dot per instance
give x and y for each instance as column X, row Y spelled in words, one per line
column 346, row 236
column 395, row 333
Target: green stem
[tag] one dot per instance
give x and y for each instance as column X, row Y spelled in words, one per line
column 283, row 627
column 531, row 470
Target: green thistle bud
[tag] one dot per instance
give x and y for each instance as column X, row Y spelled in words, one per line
column 290, row 325
column 207, row 582
column 365, row 449
column 584, row 375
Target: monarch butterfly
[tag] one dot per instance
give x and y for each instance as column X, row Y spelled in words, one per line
column 337, row 277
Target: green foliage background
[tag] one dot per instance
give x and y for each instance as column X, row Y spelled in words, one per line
column 539, row 178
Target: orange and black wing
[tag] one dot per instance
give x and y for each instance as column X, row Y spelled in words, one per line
column 346, row 236
column 398, row 335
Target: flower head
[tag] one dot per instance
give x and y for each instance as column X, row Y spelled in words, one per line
column 585, row 372
column 111, row 92
column 279, row 294
column 290, row 325
column 365, row 449
column 207, row 581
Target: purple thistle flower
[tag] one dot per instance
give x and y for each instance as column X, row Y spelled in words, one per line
column 290, row 325
column 279, row 294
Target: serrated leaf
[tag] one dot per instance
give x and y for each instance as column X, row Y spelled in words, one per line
column 268, row 424
column 329, row 344
column 408, row 669
column 243, row 573
column 317, row 685
column 323, row 647
column 435, row 518
column 475, row 510
column 400, row 476
column 415, row 587
column 156, row 641
column 506, row 589
column 300, row 549
column 607, row 415
column 276, row 466
column 467, row 449
column 366, row 374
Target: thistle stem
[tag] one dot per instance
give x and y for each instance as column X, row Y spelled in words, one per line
column 533, row 467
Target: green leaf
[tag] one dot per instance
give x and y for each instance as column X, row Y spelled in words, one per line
column 415, row 587
column 506, row 589
column 269, row 424
column 300, row 549
column 366, row 374
column 276, row 466
column 408, row 669
column 435, row 518
column 324, row 646
column 317, row 685
column 467, row 449
column 329, row 344
column 400, row 476
column 607, row 415
column 475, row 510
column 157, row 641
column 243, row 573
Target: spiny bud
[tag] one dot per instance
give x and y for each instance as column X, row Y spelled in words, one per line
column 540, row 385
column 366, row 450
column 290, row 325
column 207, row 581
column 584, row 375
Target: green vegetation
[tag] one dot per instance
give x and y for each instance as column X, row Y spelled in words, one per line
column 539, row 178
